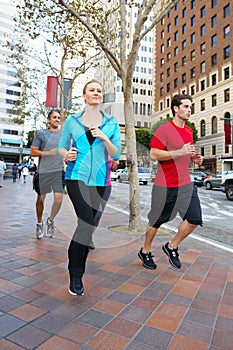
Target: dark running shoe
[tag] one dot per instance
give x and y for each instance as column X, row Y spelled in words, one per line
column 147, row 260
column 173, row 255
column 76, row 286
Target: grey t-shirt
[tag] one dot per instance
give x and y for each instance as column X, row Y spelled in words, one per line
column 46, row 140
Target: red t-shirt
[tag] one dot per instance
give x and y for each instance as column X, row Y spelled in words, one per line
column 173, row 172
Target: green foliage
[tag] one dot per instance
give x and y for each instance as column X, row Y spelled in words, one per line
column 163, row 121
column 159, row 123
column 193, row 127
column 30, row 137
column 143, row 137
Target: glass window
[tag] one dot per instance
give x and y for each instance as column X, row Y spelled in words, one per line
column 176, row 51
column 183, row 78
column 175, row 83
column 162, row 62
column 226, row 10
column 168, row 87
column 214, row 40
column 202, row 127
column 184, row 44
column 169, row 27
column 214, row 150
column 184, row 29
column 193, row 21
column 168, row 72
column 226, row 73
column 161, row 92
column 10, row 102
column 203, row 11
column 192, row 72
column 202, row 48
column 162, row 48
column 214, row 21
column 169, row 42
column 176, row 36
column 226, row 32
column 176, row 67
column 162, row 34
column 169, row 56
column 214, row 128
column 193, row 38
column 202, row 85
column 192, row 90
column 193, row 4
column 227, row 95
column 176, row 20
column 214, row 60
column 203, row 29
column 214, row 100
column 193, row 108
column 203, row 105
column 226, row 52
column 184, row 61
column 213, row 79
column 184, row 12
column 213, row 3
column 161, row 77
column 192, row 55
column 203, row 67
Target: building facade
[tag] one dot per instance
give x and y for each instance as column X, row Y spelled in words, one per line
column 194, row 55
column 11, row 133
column 142, row 78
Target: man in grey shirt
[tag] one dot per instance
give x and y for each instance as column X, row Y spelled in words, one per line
column 50, row 172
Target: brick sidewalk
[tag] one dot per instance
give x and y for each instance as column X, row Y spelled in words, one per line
column 125, row 306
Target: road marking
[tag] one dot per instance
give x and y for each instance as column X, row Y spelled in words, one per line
column 175, row 229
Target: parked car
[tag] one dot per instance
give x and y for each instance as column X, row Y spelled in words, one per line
column 152, row 176
column 115, row 174
column 215, row 181
column 198, row 178
column 143, row 175
column 227, row 185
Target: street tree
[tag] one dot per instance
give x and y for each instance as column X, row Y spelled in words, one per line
column 143, row 139
column 165, row 120
column 85, row 13
column 106, row 21
column 48, row 45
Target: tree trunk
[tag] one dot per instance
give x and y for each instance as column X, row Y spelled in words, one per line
column 132, row 163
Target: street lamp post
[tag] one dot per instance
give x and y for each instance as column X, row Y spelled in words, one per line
column 21, row 150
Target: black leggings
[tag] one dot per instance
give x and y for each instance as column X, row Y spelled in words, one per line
column 89, row 203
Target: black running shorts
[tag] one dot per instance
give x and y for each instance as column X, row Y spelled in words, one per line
column 166, row 203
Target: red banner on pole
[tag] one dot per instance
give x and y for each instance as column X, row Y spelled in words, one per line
column 227, row 129
column 51, row 92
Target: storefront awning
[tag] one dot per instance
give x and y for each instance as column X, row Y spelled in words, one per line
column 11, row 141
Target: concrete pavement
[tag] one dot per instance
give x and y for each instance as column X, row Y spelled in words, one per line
column 125, row 306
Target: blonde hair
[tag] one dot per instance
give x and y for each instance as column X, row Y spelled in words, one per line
column 90, row 82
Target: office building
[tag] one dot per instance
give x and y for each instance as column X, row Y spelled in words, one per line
column 194, row 55
column 11, row 133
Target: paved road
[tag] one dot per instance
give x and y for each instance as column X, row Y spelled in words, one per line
column 217, row 210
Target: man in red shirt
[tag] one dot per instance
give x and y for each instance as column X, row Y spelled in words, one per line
column 172, row 193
